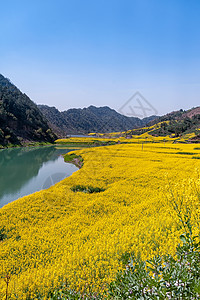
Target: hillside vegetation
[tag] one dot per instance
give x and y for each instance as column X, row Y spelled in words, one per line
column 90, row 119
column 20, row 118
column 78, row 232
column 178, row 124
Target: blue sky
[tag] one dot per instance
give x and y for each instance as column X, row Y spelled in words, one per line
column 76, row 53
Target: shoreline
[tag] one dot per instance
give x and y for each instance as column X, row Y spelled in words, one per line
column 74, row 159
column 31, row 144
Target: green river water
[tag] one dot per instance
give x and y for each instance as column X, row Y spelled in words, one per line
column 26, row 170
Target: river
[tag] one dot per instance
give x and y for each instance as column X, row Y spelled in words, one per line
column 24, row 171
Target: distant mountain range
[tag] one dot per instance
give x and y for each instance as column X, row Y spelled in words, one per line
column 20, row 118
column 90, row 119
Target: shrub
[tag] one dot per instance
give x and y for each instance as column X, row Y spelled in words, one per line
column 162, row 277
column 85, row 189
column 2, row 234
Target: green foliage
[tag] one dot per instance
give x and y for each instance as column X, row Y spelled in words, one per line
column 90, row 119
column 3, row 235
column 20, row 118
column 77, row 160
column 186, row 153
column 70, row 157
column 178, row 127
column 73, row 158
column 162, row 277
column 177, row 123
column 65, row 294
column 87, row 189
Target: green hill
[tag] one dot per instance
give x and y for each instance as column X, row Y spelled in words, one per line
column 20, row 119
column 176, row 124
column 90, row 119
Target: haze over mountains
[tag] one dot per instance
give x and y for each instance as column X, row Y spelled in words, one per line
column 90, row 119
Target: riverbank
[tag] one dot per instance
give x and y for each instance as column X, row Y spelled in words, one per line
column 77, row 160
column 86, row 142
column 144, row 138
column 27, row 144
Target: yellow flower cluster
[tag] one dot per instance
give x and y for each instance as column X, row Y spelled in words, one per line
column 143, row 138
column 83, row 140
column 59, row 235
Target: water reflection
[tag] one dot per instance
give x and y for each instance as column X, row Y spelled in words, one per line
column 26, row 170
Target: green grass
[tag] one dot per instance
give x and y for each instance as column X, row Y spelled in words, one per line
column 77, row 160
column 70, row 157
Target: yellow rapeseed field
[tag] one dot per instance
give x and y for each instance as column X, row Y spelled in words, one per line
column 59, row 235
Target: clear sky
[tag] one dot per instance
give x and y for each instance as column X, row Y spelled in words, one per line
column 76, row 53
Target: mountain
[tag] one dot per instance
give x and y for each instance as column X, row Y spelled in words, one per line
column 90, row 119
column 178, row 115
column 20, row 118
column 177, row 123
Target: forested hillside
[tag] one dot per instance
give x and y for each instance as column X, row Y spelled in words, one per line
column 179, row 123
column 90, row 119
column 175, row 124
column 20, row 118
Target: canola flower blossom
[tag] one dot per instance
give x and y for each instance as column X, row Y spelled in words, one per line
column 59, row 235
